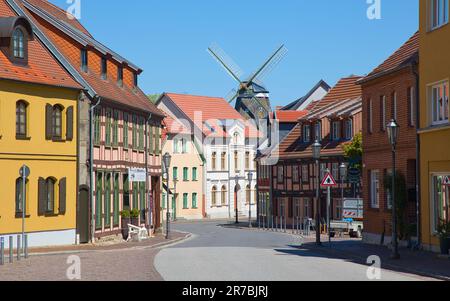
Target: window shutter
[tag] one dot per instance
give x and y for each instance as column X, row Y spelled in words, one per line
column 42, row 196
column 62, row 195
column 48, row 122
column 69, row 126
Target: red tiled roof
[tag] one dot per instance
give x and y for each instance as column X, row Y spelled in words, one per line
column 209, row 109
column 108, row 89
column 42, row 68
column 346, row 88
column 174, row 126
column 289, row 116
column 60, row 14
column 402, row 55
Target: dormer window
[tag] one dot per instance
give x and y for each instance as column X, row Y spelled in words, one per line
column 135, row 79
column 336, row 130
column 318, row 131
column 120, row 76
column 104, row 68
column 19, row 44
column 306, row 133
column 84, row 60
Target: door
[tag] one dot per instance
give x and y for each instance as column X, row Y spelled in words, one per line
column 83, row 215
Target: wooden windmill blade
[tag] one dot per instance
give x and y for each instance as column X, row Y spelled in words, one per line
column 232, row 95
column 269, row 65
column 226, row 62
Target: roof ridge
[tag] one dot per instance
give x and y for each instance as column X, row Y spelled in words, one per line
column 194, row 95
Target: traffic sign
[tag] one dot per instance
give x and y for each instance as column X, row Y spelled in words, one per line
column 446, row 181
column 329, row 181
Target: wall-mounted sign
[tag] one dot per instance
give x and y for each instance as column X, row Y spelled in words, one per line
column 137, row 174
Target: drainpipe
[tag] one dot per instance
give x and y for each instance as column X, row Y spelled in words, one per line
column 147, row 184
column 91, row 164
column 418, row 180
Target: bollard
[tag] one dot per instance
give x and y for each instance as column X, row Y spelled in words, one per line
column 271, row 217
column 2, row 251
column 11, row 249
column 18, row 247
column 285, row 224
column 25, row 246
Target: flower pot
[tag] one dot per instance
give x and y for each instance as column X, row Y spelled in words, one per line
column 445, row 245
column 135, row 221
column 125, row 222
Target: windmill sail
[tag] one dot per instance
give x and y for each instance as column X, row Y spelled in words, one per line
column 226, row 62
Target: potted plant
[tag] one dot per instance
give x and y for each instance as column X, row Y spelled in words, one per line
column 443, row 231
column 135, row 217
column 125, row 214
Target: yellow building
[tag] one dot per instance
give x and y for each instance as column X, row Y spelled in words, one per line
column 38, row 128
column 434, row 117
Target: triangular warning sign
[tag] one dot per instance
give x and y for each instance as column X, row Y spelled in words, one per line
column 328, row 180
column 446, row 181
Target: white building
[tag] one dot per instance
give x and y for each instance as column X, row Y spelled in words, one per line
column 228, row 145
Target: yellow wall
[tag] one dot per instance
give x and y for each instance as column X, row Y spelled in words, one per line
column 435, row 141
column 45, row 158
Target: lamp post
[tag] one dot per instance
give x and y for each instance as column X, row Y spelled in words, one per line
column 316, row 148
column 236, row 180
column 166, row 161
column 343, row 173
column 250, row 178
column 393, row 131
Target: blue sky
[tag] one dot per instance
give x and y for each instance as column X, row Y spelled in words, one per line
column 326, row 39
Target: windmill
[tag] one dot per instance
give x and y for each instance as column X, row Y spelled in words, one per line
column 252, row 99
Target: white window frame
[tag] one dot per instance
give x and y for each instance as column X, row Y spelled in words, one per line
column 375, row 189
column 318, row 131
column 336, row 130
column 306, row 133
column 442, row 12
column 432, row 89
column 348, row 129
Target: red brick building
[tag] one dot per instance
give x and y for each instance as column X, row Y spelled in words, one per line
column 334, row 121
column 389, row 92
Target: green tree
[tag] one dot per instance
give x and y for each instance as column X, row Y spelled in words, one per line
column 353, row 151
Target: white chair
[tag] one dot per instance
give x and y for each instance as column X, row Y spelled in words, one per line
column 137, row 233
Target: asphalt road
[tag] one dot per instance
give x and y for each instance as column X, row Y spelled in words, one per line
column 217, row 253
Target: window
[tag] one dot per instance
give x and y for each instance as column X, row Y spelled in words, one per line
column 194, row 200
column 57, row 122
column 184, row 146
column 108, row 128
column 235, row 138
column 120, row 76
column 307, row 208
column 439, row 103
column 394, row 105
column 305, row 173
column 185, row 201
column 247, row 160
column 369, row 117
column 348, row 129
column 176, row 146
column 214, row 196
column 21, row 119
column 248, row 195
column 438, row 13
column 374, row 189
column 135, row 79
column 141, row 133
column 224, row 195
column 107, row 201
column 175, row 173
column 115, row 140
column 306, row 133
column 213, row 161
column 150, row 140
column 99, row 201
column 383, row 121
column 440, row 201
column 280, row 174
column 84, row 60
column 236, row 161
column 50, row 204
column 336, row 130
column 19, row 44
column 411, row 106
column 323, row 170
column 223, row 160
column 104, row 68
column 194, row 174
column 318, row 131
column 126, row 129
column 335, row 171
column 185, row 174
column 134, row 133
column 20, row 197
column 295, row 174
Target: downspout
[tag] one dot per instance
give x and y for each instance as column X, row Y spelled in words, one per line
column 418, row 170
column 91, row 164
column 147, row 184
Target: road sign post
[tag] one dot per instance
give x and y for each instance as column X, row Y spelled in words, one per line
column 328, row 182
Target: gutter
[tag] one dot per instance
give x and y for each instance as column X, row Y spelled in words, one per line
column 91, row 164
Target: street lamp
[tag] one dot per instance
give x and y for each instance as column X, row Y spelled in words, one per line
column 316, row 148
column 250, row 178
column 167, row 158
column 393, row 131
column 343, row 172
